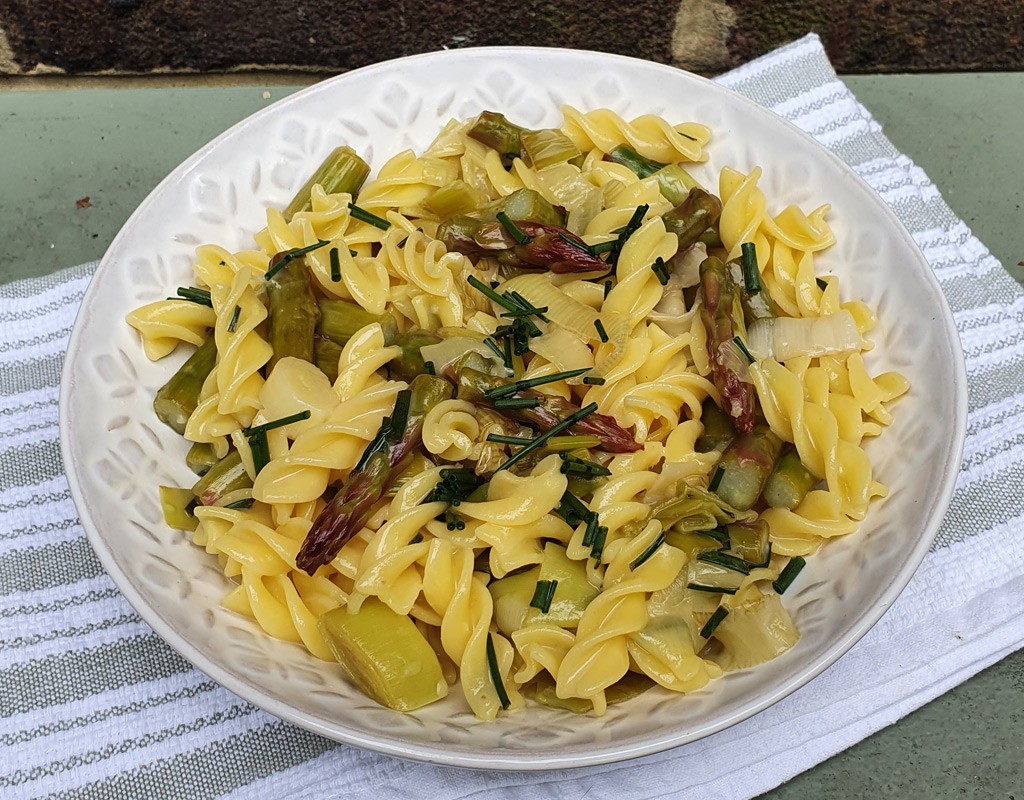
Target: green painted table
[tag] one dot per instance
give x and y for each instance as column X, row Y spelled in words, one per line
column 113, row 146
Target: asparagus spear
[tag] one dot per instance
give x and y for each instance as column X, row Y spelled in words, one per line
column 178, row 398
column 326, row 354
column 341, row 319
column 549, row 247
column 789, row 482
column 550, row 411
column 342, row 171
column 722, row 316
column 495, row 131
column 674, row 181
column 718, row 431
column 200, row 458
column 745, row 467
column 294, row 313
column 382, row 462
column 410, row 363
column 691, row 218
column 227, row 475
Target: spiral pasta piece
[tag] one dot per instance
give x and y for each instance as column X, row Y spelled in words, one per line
column 167, row 322
column 651, row 136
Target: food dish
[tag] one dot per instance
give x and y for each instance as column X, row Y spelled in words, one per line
column 849, row 200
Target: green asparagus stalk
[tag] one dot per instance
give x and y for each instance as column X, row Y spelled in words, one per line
column 722, row 314
column 789, row 482
column 326, row 354
column 294, row 313
column 341, row 319
column 176, row 505
column 178, row 398
column 473, row 385
column 384, row 459
column 342, row 171
column 227, row 475
column 718, row 431
column 495, row 131
column 688, row 220
column 410, row 363
column 200, row 458
column 549, row 247
column 745, row 466
column 674, row 181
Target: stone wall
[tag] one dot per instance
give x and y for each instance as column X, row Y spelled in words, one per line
column 140, row 36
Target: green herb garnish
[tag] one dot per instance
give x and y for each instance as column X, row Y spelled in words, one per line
column 335, row 265
column 543, row 595
column 513, row 230
column 715, row 620
column 517, row 402
column 529, row 383
column 788, row 574
column 233, row 324
column 565, row 424
column 363, row 215
column 277, row 423
column 194, row 295
column 751, row 271
column 492, row 665
column 743, row 348
column 291, row 256
column 600, row 330
column 646, row 554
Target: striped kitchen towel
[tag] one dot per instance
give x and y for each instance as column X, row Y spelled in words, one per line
column 94, row 705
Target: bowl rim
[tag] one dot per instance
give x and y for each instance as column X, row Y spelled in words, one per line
column 531, row 761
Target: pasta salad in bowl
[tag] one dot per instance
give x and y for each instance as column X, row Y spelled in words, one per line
column 562, row 408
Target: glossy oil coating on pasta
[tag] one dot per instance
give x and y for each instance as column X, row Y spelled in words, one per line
column 635, row 329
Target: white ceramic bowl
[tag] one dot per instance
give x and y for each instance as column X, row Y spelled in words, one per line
column 116, row 452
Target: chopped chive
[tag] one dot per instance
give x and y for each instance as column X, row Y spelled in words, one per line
column 520, row 386
column 492, row 665
column 233, row 324
column 429, row 367
column 277, row 423
column 194, row 295
column 822, row 283
column 646, row 554
column 543, row 595
column 497, row 438
column 494, row 348
column 453, row 521
column 455, row 486
column 658, row 268
column 591, row 532
column 788, row 574
column 565, row 424
column 751, row 271
column 579, row 244
column 604, row 247
column 594, row 381
column 335, row 265
column 416, row 539
column 352, row 252
column 600, row 330
column 700, row 587
column 363, row 215
column 526, row 312
column 241, row 504
column 495, row 284
column 743, row 347
column 719, row 534
column 526, row 305
column 716, row 479
column 727, row 561
column 507, row 355
column 573, row 510
column 607, row 288
column 631, row 227
column 260, row 450
column 597, row 550
column 580, row 466
column 291, row 256
column 517, row 402
column 513, row 230
column 712, row 624
column 488, row 292
column 560, row 443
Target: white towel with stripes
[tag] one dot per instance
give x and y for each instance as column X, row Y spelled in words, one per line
column 94, row 705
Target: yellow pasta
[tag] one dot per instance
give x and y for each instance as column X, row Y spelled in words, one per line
column 521, row 442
